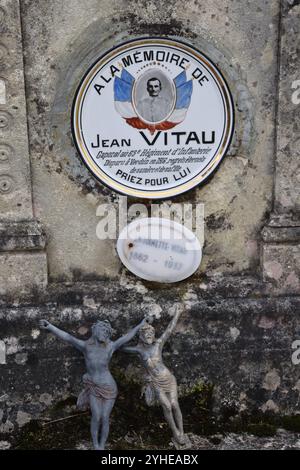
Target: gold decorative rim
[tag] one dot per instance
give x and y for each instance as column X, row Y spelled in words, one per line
column 162, row 194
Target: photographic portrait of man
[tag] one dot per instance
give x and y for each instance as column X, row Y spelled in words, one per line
column 155, row 102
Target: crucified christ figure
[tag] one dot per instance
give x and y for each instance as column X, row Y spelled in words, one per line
column 100, row 390
column 160, row 383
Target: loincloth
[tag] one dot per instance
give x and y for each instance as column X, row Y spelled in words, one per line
column 156, row 383
column 102, row 392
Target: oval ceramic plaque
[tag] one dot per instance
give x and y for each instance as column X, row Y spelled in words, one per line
column 159, row 250
column 152, row 118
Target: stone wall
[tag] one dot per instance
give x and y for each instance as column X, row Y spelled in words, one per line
column 240, row 321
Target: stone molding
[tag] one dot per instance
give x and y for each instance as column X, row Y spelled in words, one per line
column 281, row 235
column 22, row 241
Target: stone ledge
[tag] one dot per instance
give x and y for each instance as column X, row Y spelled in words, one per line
column 281, row 234
column 282, row 228
column 22, row 235
column 103, row 290
column 284, row 220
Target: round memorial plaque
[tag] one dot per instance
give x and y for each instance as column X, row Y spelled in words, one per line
column 152, row 118
column 159, row 250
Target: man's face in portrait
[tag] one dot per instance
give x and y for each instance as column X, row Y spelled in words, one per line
column 153, row 87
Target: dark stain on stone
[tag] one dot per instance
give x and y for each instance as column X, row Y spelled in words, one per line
column 32, row 360
column 258, row 394
column 80, row 275
column 218, row 221
column 261, row 429
column 291, row 423
column 172, row 28
column 41, row 105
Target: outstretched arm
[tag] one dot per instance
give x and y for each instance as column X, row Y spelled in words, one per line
column 126, row 338
column 63, row 335
column 165, row 336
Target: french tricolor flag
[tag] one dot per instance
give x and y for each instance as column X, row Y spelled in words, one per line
column 123, row 102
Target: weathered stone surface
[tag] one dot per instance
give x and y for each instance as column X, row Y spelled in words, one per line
column 281, row 235
column 2, row 352
column 236, row 198
column 4, row 445
column 232, row 350
column 15, row 181
column 18, row 230
column 240, row 347
column 282, row 267
column 283, row 440
column 284, row 231
column 25, row 235
column 287, row 182
column 22, row 272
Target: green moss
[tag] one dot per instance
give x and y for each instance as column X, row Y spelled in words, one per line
column 291, row 423
column 199, row 397
column 196, row 404
column 134, row 425
column 63, row 404
column 261, row 429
